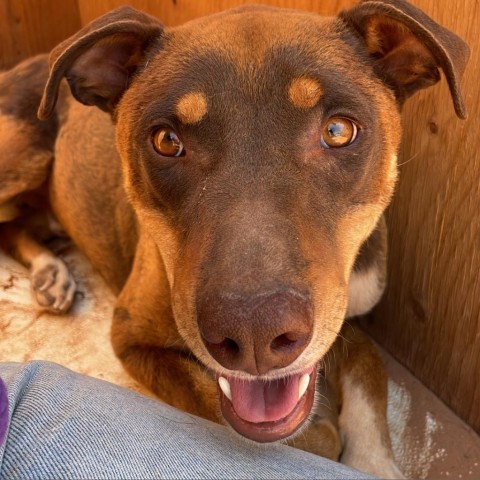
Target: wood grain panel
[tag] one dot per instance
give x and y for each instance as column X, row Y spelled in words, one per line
column 10, row 36
column 174, row 12
column 28, row 27
column 430, row 316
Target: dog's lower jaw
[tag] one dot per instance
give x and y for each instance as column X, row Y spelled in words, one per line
column 270, row 426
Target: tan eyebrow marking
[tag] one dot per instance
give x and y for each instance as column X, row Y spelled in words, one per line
column 304, row 92
column 192, row 107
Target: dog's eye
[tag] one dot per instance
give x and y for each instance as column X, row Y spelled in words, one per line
column 338, row 132
column 167, row 143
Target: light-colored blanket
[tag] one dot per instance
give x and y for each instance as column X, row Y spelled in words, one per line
column 78, row 340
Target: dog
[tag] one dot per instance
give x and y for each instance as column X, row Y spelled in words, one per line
column 230, row 188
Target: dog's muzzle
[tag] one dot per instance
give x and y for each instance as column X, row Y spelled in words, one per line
column 259, row 334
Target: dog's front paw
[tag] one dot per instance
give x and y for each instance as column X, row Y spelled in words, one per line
column 52, row 283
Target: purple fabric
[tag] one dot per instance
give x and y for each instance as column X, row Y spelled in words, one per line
column 3, row 411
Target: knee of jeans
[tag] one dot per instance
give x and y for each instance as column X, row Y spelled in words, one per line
column 3, row 411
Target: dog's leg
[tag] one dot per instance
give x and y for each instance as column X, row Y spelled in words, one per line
column 172, row 376
column 363, row 415
column 52, row 284
column 26, row 158
column 145, row 338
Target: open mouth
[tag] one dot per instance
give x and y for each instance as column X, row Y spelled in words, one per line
column 267, row 411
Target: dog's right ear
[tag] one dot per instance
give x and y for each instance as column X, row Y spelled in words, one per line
column 408, row 48
column 100, row 60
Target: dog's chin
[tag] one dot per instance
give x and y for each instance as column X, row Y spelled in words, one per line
column 268, row 410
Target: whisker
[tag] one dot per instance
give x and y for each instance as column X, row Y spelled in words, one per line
column 409, row 160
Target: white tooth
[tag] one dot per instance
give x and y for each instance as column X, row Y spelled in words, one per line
column 225, row 386
column 303, row 384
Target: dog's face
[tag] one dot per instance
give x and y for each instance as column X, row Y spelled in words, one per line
column 259, row 151
column 286, row 158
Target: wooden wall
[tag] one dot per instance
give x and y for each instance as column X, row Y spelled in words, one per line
column 28, row 27
column 430, row 316
column 174, row 12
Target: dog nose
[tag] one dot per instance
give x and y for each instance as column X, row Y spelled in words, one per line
column 257, row 333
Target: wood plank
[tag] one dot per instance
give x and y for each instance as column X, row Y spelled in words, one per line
column 430, row 316
column 175, row 12
column 28, row 27
column 12, row 40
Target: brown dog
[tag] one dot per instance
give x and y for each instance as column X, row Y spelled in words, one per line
column 241, row 219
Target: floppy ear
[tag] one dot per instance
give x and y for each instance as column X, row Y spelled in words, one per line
column 100, row 60
column 408, row 47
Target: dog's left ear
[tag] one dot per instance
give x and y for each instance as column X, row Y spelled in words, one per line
column 408, row 47
column 100, row 60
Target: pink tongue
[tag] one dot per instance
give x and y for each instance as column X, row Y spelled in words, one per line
column 258, row 401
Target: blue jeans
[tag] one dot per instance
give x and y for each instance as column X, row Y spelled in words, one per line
column 65, row 425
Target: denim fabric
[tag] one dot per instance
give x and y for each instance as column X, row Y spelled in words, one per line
column 66, row 425
column 3, row 411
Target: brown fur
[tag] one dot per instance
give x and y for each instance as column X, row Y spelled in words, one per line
column 257, row 225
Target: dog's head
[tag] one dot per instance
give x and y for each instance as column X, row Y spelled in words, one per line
column 259, row 151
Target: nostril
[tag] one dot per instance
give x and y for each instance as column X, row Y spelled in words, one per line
column 230, row 345
column 226, row 348
column 285, row 342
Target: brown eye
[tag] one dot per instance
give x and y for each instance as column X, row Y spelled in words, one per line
column 167, row 143
column 338, row 132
